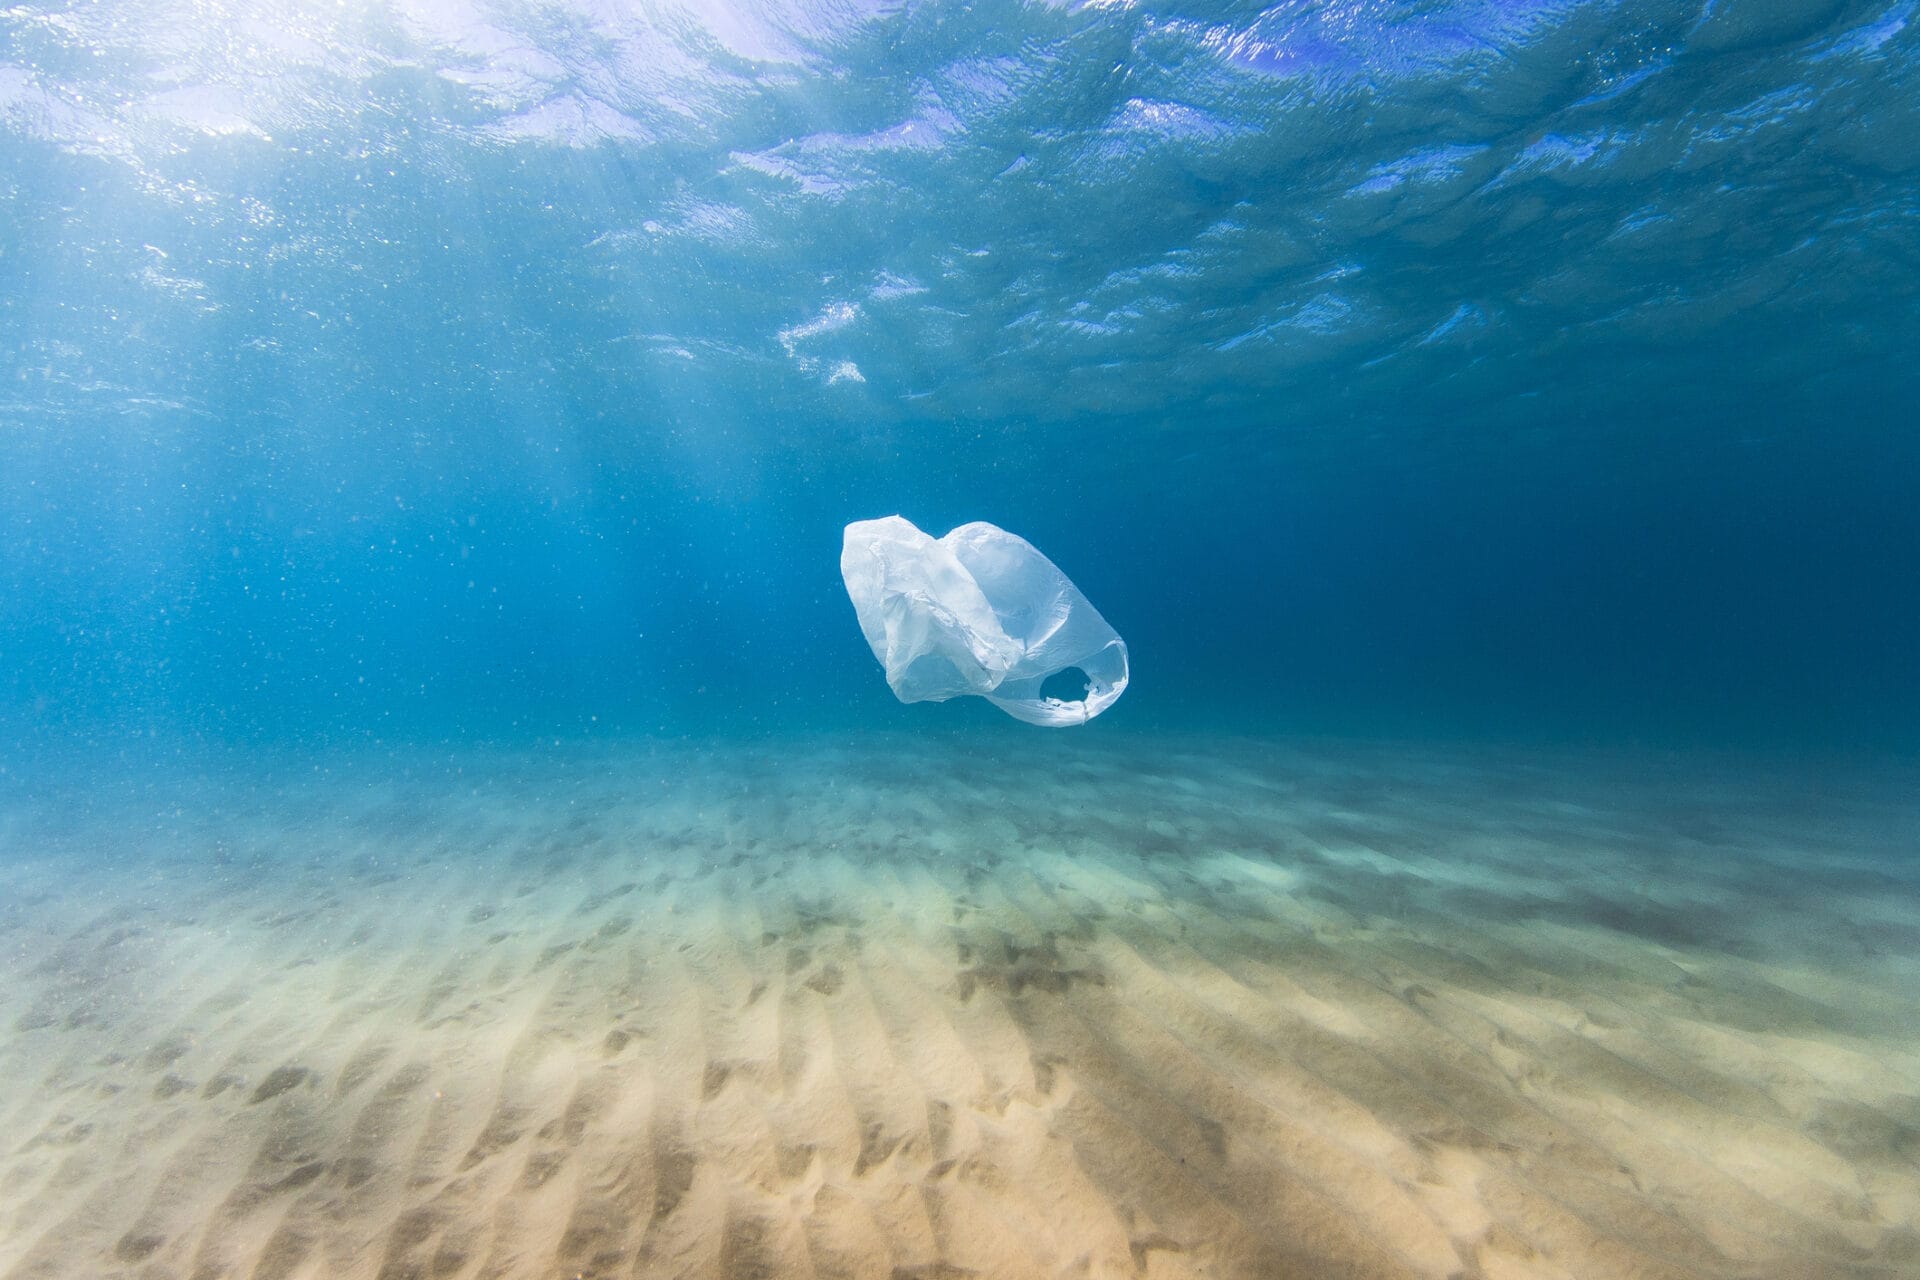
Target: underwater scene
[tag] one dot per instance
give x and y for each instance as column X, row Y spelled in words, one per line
column 741, row 639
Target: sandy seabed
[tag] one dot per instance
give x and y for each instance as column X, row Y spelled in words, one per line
column 1039, row 1006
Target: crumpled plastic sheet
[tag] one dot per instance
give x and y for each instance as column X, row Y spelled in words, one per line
column 979, row 612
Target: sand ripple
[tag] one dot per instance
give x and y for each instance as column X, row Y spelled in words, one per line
column 907, row 1011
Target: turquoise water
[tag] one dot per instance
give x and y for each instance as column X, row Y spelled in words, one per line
column 451, row 822
column 1463, row 370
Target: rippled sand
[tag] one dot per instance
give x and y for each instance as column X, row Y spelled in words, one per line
column 1043, row 1005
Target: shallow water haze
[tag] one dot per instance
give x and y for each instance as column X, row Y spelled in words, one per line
column 1532, row 370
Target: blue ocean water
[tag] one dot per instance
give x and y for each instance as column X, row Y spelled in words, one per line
column 451, row 822
column 1437, row 370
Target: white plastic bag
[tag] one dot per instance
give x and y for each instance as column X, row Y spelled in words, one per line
column 979, row 611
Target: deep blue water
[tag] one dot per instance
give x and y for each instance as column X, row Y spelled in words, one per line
column 1465, row 369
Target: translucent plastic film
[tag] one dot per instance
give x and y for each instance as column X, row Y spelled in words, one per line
column 979, row 612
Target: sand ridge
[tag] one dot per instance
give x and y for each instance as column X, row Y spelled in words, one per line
column 911, row 1009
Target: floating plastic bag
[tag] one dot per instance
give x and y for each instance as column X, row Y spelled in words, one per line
column 979, row 611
